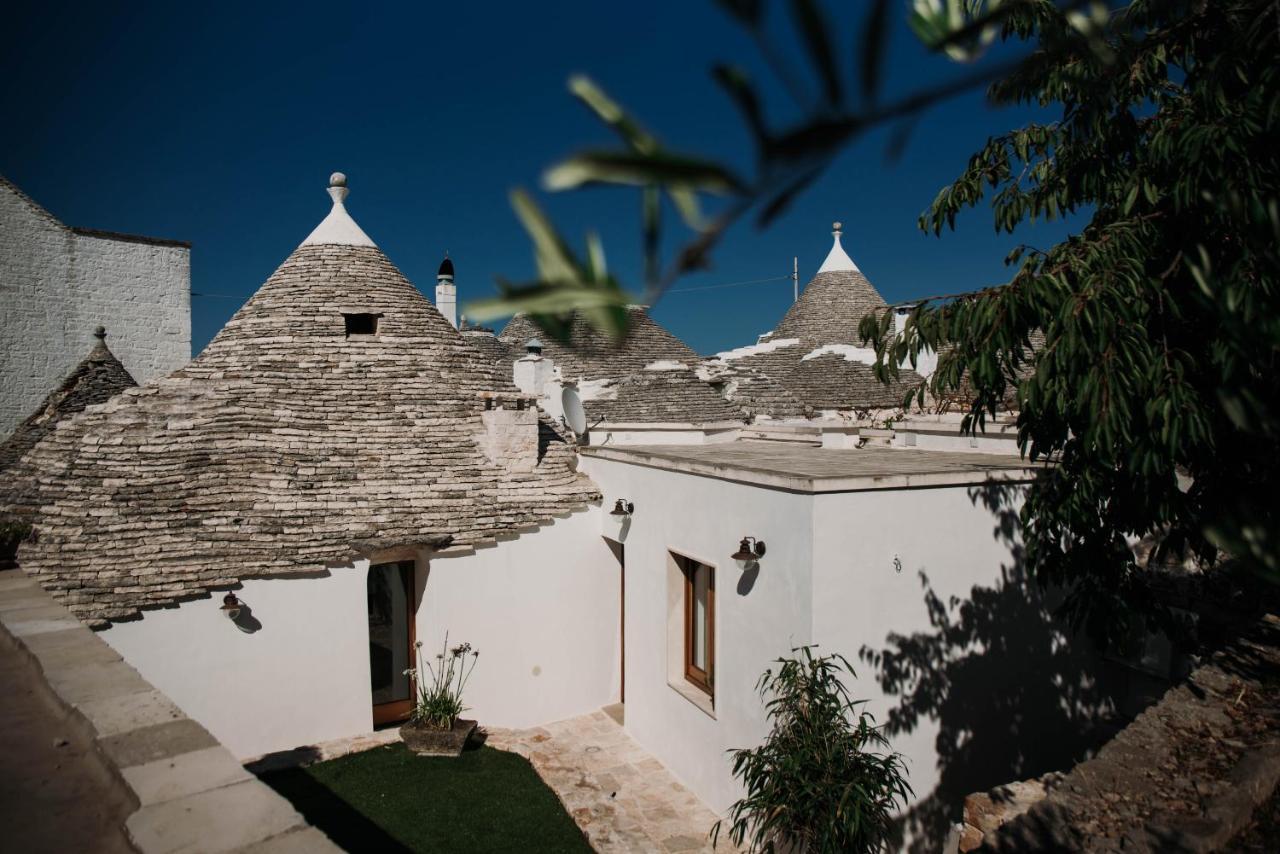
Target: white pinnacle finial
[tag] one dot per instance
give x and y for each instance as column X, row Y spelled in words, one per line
column 338, row 187
column 338, row 228
column 837, row 258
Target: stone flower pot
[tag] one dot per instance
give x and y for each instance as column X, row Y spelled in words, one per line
column 428, row 741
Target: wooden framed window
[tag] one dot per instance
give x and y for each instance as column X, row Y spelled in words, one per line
column 699, row 624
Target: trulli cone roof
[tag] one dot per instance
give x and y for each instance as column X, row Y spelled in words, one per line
column 97, row 378
column 285, row 447
column 593, row 355
column 815, row 352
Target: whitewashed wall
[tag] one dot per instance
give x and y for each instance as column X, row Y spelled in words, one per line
column 860, row 597
column 758, row 617
column 542, row 608
column 59, row 284
column 301, row 678
column 828, row 578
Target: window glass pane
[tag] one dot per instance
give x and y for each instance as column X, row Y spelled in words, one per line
column 701, row 582
column 388, row 633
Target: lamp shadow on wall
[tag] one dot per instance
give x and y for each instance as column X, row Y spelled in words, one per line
column 747, row 579
column 1014, row 692
column 245, row 621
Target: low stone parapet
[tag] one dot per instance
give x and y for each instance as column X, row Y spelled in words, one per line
column 191, row 793
column 1186, row 776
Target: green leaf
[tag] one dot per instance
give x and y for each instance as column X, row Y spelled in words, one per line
column 874, row 40
column 612, row 114
column 633, row 168
column 816, row 32
column 746, row 11
column 538, row 298
column 555, row 260
column 738, row 86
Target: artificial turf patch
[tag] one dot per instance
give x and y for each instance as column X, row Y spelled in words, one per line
column 389, row 800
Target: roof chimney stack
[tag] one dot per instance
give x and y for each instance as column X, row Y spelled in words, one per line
column 447, row 292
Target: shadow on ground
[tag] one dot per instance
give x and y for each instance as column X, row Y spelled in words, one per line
column 324, row 810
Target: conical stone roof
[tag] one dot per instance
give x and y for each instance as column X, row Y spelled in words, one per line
column 815, row 352
column 97, row 378
column 288, row 446
column 666, row 393
column 593, row 355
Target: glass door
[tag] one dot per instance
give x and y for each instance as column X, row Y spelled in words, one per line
column 391, row 635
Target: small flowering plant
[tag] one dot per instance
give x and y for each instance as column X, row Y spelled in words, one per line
column 439, row 684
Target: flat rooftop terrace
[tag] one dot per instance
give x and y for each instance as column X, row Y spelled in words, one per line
column 804, row 468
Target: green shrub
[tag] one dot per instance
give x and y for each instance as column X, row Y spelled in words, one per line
column 817, row 783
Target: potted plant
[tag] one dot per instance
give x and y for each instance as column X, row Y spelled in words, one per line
column 434, row 728
column 823, row 780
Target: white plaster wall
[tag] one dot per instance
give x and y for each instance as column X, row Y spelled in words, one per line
column 543, row 610
column 57, row 285
column 758, row 618
column 302, row 678
column 664, row 436
column 1006, row 444
column 860, row 597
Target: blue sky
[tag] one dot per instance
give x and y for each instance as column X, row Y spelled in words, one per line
column 220, row 123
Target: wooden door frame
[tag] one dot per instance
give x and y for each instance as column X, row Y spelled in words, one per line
column 399, row 710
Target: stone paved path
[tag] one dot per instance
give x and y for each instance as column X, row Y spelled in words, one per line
column 55, row 794
column 622, row 798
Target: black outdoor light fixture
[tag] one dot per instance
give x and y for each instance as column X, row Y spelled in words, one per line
column 231, row 606
column 749, row 551
column 622, row 507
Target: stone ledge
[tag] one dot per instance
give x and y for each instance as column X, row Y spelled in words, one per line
column 191, row 793
column 1185, row 776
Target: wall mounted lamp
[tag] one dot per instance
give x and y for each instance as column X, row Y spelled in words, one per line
column 618, row 520
column 749, row 551
column 231, row 606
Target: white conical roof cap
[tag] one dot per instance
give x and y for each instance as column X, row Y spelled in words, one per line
column 338, row 228
column 837, row 258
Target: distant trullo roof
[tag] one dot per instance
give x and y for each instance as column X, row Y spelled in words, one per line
column 815, row 352
column 663, row 393
column 97, row 378
column 593, row 355
column 287, row 446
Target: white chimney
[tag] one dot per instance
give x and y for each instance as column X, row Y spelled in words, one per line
column 446, row 292
column 532, row 371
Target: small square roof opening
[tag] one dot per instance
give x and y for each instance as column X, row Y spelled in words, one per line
column 361, row 324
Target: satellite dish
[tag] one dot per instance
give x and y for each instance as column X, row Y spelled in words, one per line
column 574, row 415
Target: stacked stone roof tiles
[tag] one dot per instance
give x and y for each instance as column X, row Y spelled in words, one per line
column 758, row 394
column 830, row 308
column 667, row 395
column 593, row 355
column 97, row 378
column 286, row 447
column 490, row 347
column 827, row 313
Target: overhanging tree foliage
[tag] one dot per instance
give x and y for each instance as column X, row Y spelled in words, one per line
column 1152, row 383
column 1156, row 382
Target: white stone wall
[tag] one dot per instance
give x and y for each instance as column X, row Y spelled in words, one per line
column 828, row 578
column 56, row 285
column 759, row 616
column 542, row 609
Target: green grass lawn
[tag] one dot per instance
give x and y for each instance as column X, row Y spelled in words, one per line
column 389, row 800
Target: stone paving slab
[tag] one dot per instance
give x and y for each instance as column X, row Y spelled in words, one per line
column 184, row 774
column 223, row 819
column 624, row 800
column 192, row 793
